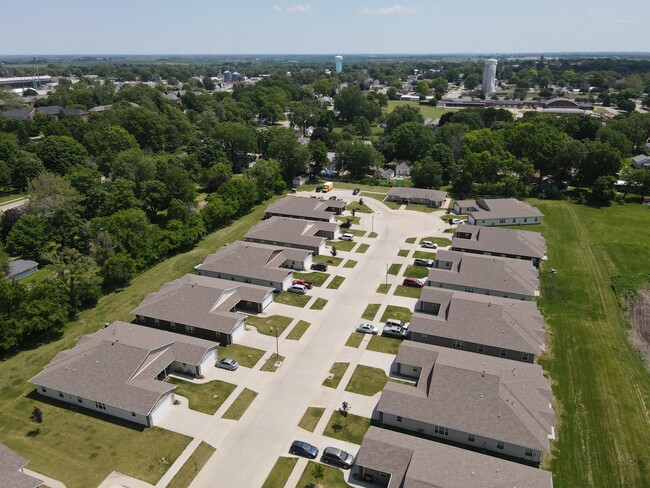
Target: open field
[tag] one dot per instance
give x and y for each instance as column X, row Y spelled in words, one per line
column 601, row 387
column 426, row 110
column 118, row 446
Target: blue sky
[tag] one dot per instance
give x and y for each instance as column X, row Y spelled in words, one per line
column 321, row 26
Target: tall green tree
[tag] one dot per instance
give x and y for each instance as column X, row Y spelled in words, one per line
column 427, row 174
column 357, row 157
column 59, row 154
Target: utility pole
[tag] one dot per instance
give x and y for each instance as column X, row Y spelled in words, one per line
column 277, row 347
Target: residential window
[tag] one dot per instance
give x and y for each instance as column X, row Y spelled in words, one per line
column 132, row 414
column 80, row 400
column 504, row 353
column 529, row 452
column 172, row 326
column 383, row 475
column 399, row 419
column 469, row 289
column 458, row 344
column 470, row 438
column 524, row 356
column 61, row 394
column 43, row 389
column 441, row 430
column 424, row 337
column 100, row 405
column 415, row 370
column 525, row 219
column 500, row 445
column 156, row 322
column 481, row 348
column 141, row 319
column 502, row 221
column 189, row 329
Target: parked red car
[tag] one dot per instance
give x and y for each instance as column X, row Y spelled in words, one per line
column 306, row 284
column 413, row 282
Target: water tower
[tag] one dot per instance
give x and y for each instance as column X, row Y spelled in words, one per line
column 339, row 63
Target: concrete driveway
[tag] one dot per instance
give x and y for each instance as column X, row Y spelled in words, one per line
column 247, row 449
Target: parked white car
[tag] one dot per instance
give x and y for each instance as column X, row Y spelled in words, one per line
column 300, row 289
column 429, row 244
column 347, row 237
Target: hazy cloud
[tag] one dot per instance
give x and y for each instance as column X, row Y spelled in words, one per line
column 277, row 8
column 300, row 9
column 394, row 10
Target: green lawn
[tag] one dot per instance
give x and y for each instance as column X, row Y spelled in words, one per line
column 424, row 255
column 411, row 240
column 362, row 248
column 280, row 473
column 345, row 218
column 325, row 258
column 402, row 253
column 319, row 304
column 354, row 340
column 316, row 277
column 383, row 288
column 407, row 291
column 448, row 217
column 336, row 282
column 394, row 268
column 6, row 197
column 426, row 110
column 294, row 299
column 421, row 208
column 298, row 331
column 370, row 311
column 203, row 397
column 373, row 235
column 341, row 245
column 367, row 380
column 359, row 207
column 337, row 370
column 244, row 355
column 268, row 325
column 399, row 313
column 350, row 429
column 601, row 386
column 240, row 405
column 441, row 241
column 387, row 345
column 192, row 466
column 270, row 364
column 356, row 232
column 413, row 271
column 332, row 477
column 310, row 419
column 350, row 263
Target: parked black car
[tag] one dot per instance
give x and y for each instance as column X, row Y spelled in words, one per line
column 300, row 448
column 319, row 266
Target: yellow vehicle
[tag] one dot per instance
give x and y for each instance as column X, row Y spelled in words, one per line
column 328, row 186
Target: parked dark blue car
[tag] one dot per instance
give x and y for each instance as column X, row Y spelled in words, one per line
column 300, row 448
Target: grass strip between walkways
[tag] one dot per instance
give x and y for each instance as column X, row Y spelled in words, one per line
column 192, row 466
column 240, row 405
column 280, row 473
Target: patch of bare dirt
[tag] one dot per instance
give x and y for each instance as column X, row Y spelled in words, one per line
column 639, row 316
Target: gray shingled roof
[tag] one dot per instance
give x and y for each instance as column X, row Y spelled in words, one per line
column 260, row 261
column 487, row 396
column 201, row 301
column 488, row 272
column 118, row 365
column 305, row 208
column 419, row 463
column 506, row 241
column 482, row 319
column 403, row 192
column 19, row 266
column 10, row 474
column 291, row 231
column 500, row 208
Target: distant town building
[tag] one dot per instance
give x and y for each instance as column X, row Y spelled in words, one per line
column 489, row 76
column 339, row 63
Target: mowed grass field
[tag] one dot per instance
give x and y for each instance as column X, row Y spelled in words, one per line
column 101, row 446
column 601, row 387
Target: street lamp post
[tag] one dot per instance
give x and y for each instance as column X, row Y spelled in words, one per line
column 386, row 275
column 277, row 347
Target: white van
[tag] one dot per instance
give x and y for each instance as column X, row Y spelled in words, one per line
column 397, row 323
column 347, row 237
column 300, row 289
